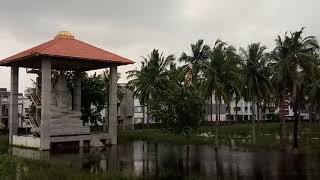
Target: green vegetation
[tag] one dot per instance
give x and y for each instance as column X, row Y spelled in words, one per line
column 4, row 142
column 175, row 115
column 288, row 74
column 265, row 137
column 12, row 168
column 255, row 73
column 152, row 79
column 221, row 75
column 18, row 168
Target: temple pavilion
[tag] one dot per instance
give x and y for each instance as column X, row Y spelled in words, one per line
column 58, row 116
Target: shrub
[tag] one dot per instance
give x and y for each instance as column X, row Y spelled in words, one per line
column 178, row 110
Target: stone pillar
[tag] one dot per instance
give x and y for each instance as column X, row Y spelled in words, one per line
column 77, row 92
column 45, row 104
column 22, row 111
column 1, row 97
column 81, row 143
column 13, row 106
column 113, row 122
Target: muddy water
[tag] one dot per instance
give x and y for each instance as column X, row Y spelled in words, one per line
column 154, row 160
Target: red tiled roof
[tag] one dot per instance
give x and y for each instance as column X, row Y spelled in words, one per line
column 69, row 47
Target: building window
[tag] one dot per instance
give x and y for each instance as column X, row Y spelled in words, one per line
column 245, row 109
column 138, row 109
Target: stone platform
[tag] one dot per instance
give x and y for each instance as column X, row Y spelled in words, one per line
column 29, row 141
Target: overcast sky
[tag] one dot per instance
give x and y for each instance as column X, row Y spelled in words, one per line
column 132, row 28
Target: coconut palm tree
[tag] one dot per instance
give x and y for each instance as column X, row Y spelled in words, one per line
column 236, row 91
column 280, row 81
column 255, row 76
column 299, row 60
column 152, row 78
column 313, row 93
column 220, row 72
column 200, row 53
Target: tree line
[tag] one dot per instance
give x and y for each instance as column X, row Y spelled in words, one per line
column 174, row 89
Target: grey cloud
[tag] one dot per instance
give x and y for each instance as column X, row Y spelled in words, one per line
column 134, row 27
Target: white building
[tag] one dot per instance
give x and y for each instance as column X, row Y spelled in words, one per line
column 243, row 111
column 4, row 107
column 138, row 112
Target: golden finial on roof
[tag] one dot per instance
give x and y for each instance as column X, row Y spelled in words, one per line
column 64, row 34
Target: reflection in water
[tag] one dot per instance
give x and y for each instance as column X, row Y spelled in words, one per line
column 177, row 161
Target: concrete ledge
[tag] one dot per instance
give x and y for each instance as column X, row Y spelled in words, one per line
column 30, row 153
column 34, row 142
column 95, row 140
column 70, row 138
column 26, row 141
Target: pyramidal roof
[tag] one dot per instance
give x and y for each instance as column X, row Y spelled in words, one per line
column 65, row 46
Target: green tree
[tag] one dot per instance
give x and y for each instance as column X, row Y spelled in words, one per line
column 93, row 97
column 255, row 76
column 179, row 110
column 149, row 82
column 299, row 60
column 200, row 53
column 280, row 81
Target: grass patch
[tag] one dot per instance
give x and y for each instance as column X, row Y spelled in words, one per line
column 264, row 136
column 158, row 135
column 12, row 168
column 4, row 142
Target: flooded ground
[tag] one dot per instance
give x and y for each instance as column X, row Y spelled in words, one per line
column 178, row 161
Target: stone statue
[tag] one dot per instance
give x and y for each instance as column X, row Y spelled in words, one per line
column 64, row 121
column 61, row 100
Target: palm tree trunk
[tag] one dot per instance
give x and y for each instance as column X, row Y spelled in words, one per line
column 296, row 118
column 258, row 112
column 217, row 118
column 219, row 109
column 211, row 105
column 148, row 116
column 310, row 113
column 253, row 118
column 194, row 79
column 317, row 117
column 236, row 111
column 283, row 137
column 143, row 116
column 229, row 111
